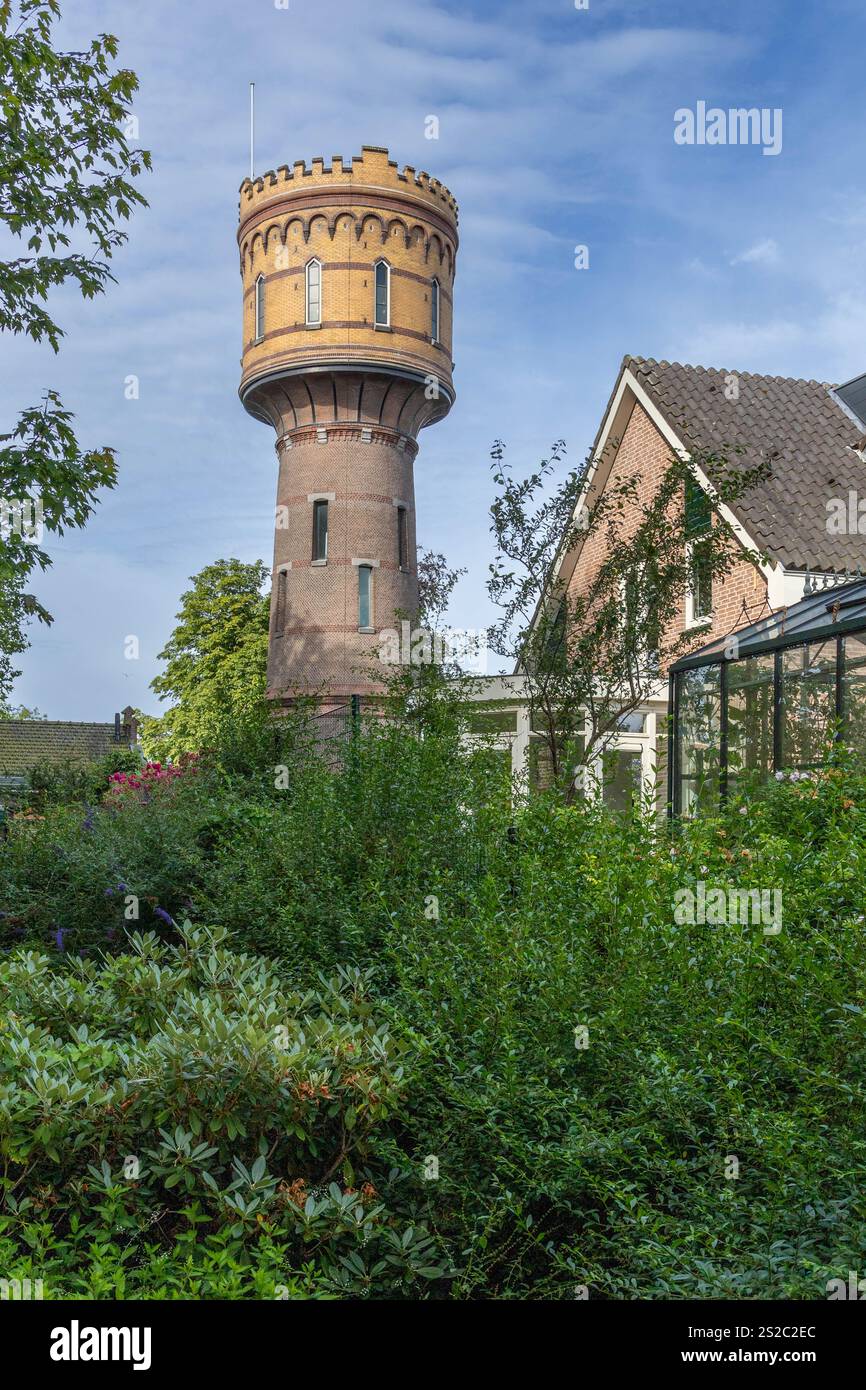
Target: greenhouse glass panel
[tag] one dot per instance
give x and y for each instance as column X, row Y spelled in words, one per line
column 854, row 693
column 808, row 702
column 770, row 697
column 750, row 721
column 699, row 733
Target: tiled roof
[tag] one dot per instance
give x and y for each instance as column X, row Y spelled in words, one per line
column 798, row 426
column 26, row 742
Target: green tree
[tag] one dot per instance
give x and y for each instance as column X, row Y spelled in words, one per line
column 216, row 659
column 20, row 712
column 65, row 167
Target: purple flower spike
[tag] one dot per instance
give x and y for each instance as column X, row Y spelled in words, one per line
column 58, row 937
column 163, row 916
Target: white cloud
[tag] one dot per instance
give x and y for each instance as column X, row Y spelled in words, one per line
column 765, row 252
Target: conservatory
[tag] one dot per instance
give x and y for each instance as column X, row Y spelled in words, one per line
column 768, row 699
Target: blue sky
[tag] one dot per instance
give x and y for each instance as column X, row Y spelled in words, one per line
column 555, row 129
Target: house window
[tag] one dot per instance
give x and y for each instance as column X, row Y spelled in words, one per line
column 699, row 595
column 314, row 292
column 698, row 511
column 365, row 596
column 320, row 530
column 260, row 308
column 383, row 295
column 434, row 311
column 402, row 539
column 280, row 614
column 698, row 521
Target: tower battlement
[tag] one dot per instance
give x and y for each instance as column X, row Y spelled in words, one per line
column 372, row 169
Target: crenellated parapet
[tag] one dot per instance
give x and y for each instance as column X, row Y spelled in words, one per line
column 368, row 195
column 371, row 168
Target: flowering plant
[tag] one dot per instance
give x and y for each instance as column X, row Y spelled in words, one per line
column 150, row 777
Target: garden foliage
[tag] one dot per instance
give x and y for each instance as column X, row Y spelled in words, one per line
column 528, row 1012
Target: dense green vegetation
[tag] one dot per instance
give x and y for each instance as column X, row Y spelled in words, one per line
column 362, row 1068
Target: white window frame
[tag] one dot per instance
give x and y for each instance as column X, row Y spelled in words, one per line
column 259, row 308
column 693, row 619
column 312, row 322
column 387, row 323
column 627, row 742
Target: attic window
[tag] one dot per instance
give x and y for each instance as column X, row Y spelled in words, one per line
column 698, row 512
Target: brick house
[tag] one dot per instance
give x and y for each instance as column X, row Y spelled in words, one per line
column 812, row 435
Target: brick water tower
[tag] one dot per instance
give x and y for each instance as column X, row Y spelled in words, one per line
column 347, row 270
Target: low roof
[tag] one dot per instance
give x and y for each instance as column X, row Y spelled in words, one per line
column 26, row 742
column 800, row 427
column 828, row 612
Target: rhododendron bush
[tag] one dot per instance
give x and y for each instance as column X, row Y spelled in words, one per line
column 193, row 1082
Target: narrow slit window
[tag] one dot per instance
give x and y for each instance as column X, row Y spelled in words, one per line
column 280, row 615
column 701, row 583
column 402, row 539
column 698, row 525
column 434, row 311
column 320, row 530
column 314, row 292
column 383, row 294
column 260, row 308
column 365, row 596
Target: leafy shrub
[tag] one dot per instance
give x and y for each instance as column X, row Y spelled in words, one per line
column 75, row 880
column 608, row 1165
column 179, row 1108
column 55, row 784
column 496, row 931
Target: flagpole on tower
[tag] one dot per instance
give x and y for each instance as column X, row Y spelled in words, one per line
column 252, row 128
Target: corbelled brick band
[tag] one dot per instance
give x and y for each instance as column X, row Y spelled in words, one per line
column 346, row 397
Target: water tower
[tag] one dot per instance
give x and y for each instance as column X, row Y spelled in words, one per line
column 348, row 273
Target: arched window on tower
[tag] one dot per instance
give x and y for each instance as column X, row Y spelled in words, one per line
column 383, row 295
column 434, row 311
column 314, row 292
column 260, row 308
